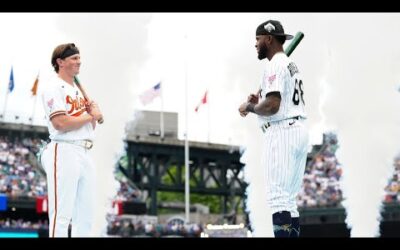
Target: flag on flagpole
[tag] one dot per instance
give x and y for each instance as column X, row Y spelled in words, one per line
column 202, row 101
column 35, row 86
column 11, row 82
column 149, row 95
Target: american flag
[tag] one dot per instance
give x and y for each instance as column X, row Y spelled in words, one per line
column 149, row 95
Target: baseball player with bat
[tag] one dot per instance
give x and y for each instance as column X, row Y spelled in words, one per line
column 71, row 118
column 279, row 104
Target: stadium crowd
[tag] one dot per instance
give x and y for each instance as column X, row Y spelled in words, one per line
column 18, row 177
column 321, row 186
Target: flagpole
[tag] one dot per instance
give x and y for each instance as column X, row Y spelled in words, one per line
column 5, row 104
column 10, row 88
column 187, row 175
column 208, row 114
column 35, row 98
column 34, row 108
column 162, row 112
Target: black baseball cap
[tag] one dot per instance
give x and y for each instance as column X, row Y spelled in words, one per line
column 272, row 27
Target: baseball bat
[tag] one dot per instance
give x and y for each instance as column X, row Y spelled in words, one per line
column 293, row 44
column 78, row 83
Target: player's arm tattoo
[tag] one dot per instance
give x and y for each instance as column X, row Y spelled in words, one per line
column 250, row 107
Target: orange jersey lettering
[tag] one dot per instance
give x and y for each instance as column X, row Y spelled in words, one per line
column 78, row 105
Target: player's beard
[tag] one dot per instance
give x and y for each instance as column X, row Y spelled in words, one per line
column 262, row 52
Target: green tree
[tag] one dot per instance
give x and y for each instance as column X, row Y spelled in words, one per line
column 212, row 201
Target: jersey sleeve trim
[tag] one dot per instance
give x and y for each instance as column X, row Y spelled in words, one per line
column 58, row 112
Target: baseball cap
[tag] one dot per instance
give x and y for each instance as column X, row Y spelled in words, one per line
column 272, row 27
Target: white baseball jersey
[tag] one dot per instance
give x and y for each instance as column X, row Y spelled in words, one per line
column 69, row 168
column 286, row 137
column 282, row 75
column 62, row 98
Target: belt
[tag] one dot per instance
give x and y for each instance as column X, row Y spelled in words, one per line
column 88, row 144
column 266, row 125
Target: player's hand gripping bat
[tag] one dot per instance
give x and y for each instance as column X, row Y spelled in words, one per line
column 101, row 120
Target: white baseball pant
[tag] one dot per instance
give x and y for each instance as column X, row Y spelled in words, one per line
column 284, row 159
column 70, row 187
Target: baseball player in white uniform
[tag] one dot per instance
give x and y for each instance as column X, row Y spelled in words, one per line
column 279, row 105
column 69, row 168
